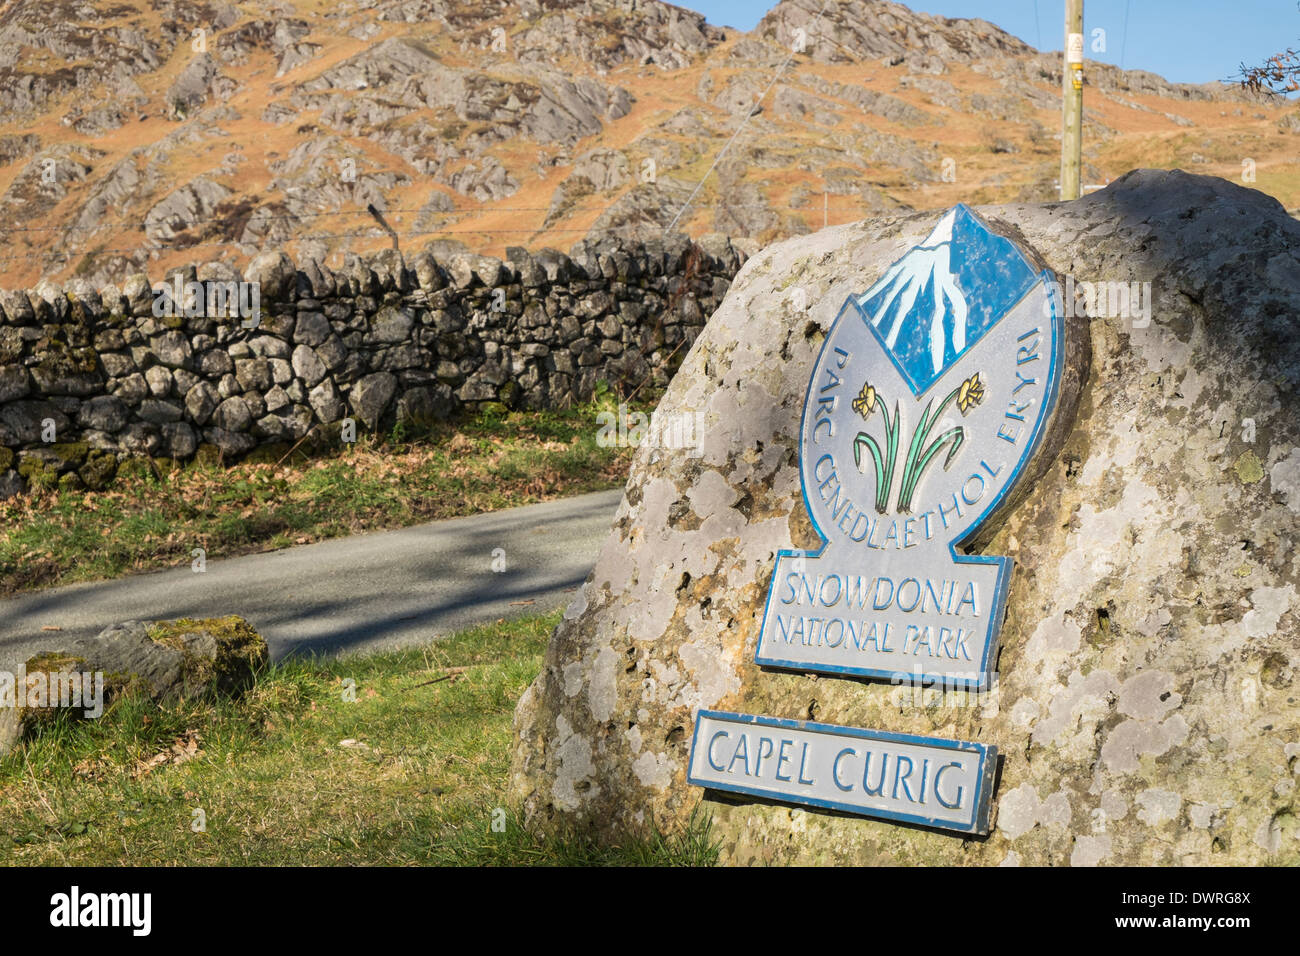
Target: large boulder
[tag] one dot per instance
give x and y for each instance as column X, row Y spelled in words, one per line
column 1147, row 708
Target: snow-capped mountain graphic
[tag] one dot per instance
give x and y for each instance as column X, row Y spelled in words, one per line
column 939, row 299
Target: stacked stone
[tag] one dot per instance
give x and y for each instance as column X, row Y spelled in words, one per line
column 379, row 341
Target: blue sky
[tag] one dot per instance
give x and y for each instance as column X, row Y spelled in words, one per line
column 1188, row 41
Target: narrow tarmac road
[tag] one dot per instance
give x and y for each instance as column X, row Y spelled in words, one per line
column 366, row 592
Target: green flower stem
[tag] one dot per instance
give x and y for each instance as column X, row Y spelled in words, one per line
column 891, row 441
column 918, row 460
column 884, row 461
column 954, row 435
column 866, row 441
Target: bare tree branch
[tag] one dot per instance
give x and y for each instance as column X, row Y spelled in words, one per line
column 1279, row 74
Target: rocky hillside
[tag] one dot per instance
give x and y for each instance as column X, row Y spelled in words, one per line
column 158, row 132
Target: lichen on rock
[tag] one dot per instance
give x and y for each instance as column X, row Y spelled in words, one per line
column 1146, row 706
column 222, row 654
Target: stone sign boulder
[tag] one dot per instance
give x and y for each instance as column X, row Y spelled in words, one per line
column 1146, row 707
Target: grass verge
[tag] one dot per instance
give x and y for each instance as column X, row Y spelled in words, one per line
column 151, row 518
column 409, row 768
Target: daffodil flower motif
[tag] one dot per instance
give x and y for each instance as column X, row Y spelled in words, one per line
column 970, row 393
column 923, row 451
column 882, row 459
column 865, row 403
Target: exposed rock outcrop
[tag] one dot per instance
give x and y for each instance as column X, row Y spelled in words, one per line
column 533, row 123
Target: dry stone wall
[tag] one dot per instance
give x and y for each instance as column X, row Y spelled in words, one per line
column 91, row 376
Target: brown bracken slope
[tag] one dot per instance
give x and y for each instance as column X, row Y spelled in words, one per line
column 150, row 134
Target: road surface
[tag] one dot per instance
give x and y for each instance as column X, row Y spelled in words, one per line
column 365, row 592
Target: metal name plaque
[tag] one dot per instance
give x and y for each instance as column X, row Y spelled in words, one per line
column 930, row 395
column 897, row 777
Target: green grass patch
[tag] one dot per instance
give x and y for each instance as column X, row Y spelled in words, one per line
column 397, row 758
column 151, row 518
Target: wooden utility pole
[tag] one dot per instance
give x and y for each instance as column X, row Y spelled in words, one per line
column 1072, row 97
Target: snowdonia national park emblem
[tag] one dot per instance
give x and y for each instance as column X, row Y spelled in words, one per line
column 932, row 391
